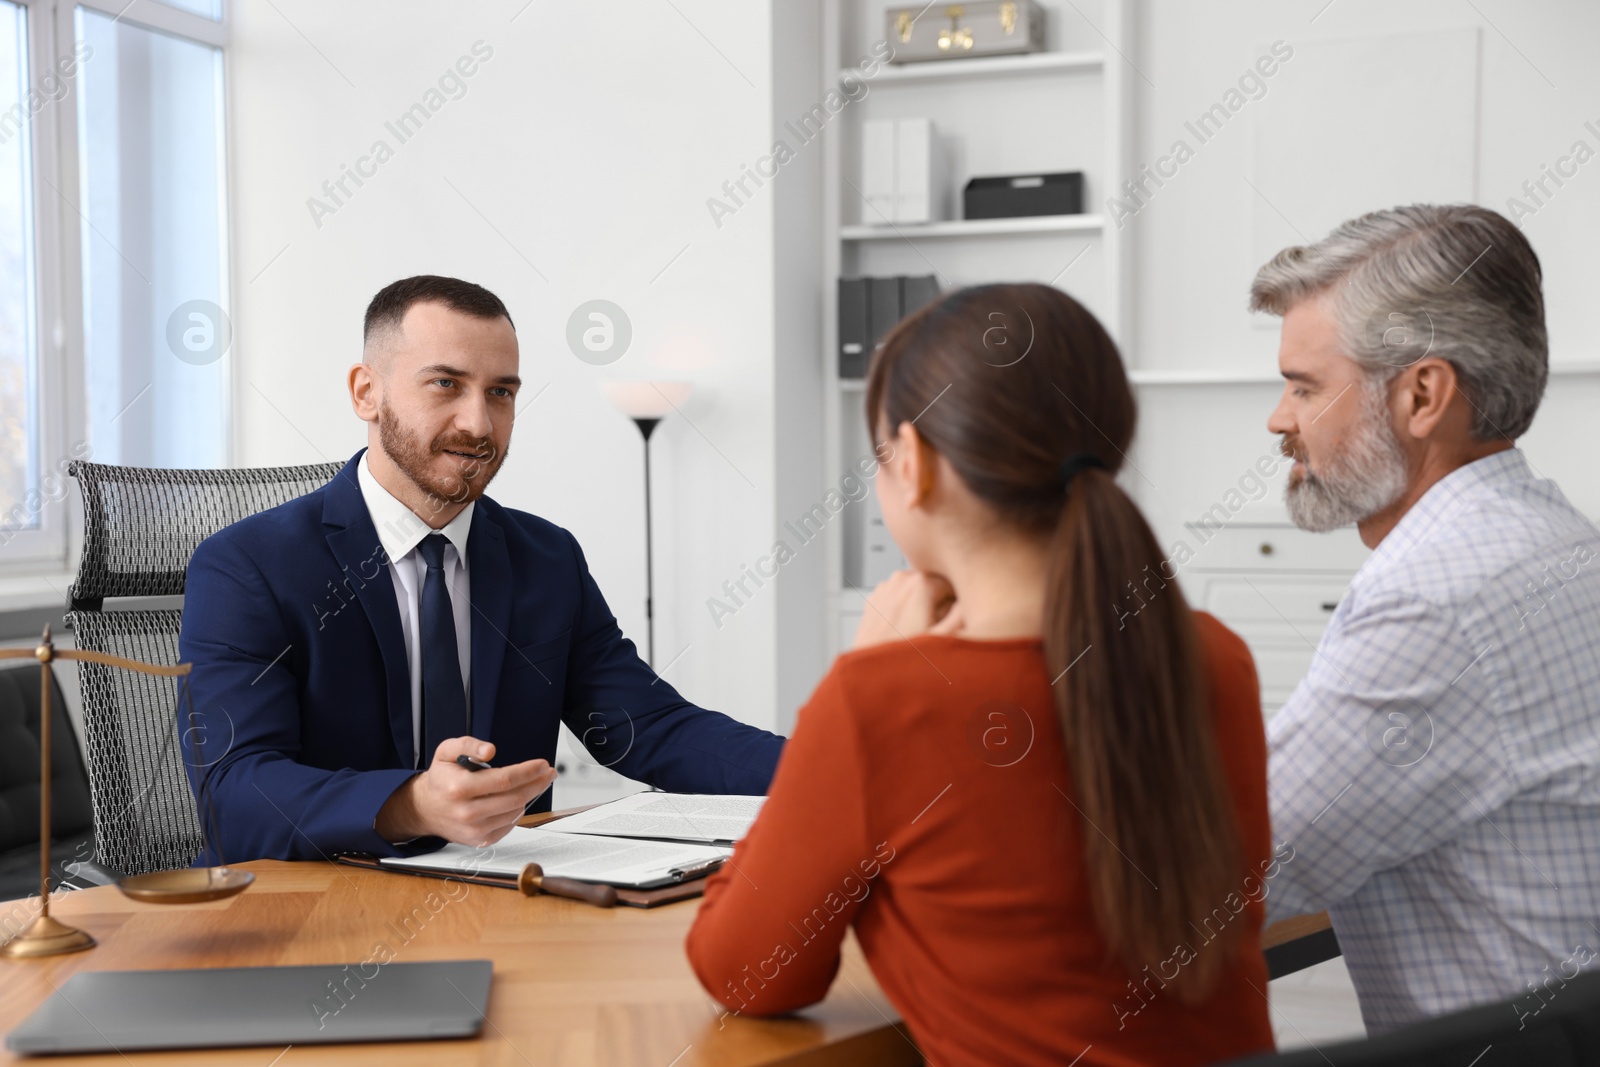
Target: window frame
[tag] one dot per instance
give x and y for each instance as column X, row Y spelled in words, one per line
column 62, row 382
column 43, row 548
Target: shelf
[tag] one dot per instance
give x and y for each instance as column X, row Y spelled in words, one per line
column 974, row 228
column 959, row 69
column 1266, row 376
column 1204, row 377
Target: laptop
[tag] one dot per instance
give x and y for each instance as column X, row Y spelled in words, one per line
column 125, row 1011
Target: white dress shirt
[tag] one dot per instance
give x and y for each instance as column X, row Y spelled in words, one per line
column 1437, row 773
column 400, row 531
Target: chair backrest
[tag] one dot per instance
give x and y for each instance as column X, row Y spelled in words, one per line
column 1556, row 1024
column 141, row 525
column 144, row 812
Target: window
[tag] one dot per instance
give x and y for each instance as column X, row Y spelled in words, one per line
column 19, row 394
column 153, row 245
column 114, row 282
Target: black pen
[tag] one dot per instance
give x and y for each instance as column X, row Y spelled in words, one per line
column 471, row 764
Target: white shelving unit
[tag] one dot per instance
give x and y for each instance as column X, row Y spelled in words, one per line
column 1068, row 108
column 963, row 69
column 972, row 228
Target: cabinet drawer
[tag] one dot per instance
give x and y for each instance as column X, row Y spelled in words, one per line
column 1273, row 548
column 1245, row 602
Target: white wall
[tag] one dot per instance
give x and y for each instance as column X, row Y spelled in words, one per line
column 583, row 150
column 799, row 82
column 1195, row 251
column 1193, row 248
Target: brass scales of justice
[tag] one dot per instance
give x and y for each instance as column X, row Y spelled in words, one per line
column 47, row 936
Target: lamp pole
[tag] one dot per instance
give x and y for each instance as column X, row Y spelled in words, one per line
column 646, row 404
column 646, row 428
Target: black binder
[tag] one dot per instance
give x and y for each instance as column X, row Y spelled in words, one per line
column 917, row 291
column 855, row 339
column 869, row 308
column 884, row 307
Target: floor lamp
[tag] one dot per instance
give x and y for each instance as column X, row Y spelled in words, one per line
column 647, row 403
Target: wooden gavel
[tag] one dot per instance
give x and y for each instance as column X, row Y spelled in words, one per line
column 533, row 881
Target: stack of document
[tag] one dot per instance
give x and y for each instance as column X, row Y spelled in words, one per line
column 640, row 842
column 710, row 820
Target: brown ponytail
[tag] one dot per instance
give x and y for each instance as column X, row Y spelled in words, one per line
column 1007, row 382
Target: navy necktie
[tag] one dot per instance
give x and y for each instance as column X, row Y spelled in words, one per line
column 444, row 700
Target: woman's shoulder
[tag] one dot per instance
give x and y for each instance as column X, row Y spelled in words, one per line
column 1231, row 673
column 897, row 678
column 867, row 674
column 907, row 662
column 1221, row 646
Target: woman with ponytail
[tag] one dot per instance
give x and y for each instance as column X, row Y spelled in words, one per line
column 1036, row 787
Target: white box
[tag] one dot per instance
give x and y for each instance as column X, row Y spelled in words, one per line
column 901, row 172
column 913, row 173
column 878, row 171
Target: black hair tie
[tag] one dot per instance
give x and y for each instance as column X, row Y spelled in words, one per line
column 1074, row 465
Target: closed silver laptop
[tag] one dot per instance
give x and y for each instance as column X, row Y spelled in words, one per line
column 124, row 1011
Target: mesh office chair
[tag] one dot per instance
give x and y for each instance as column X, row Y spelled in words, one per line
column 141, row 525
column 1556, row 1024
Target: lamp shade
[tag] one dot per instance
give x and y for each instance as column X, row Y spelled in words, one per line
column 646, row 400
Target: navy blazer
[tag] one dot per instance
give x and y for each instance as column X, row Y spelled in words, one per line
column 302, row 693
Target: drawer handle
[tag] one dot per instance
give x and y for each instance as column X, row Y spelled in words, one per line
column 1329, row 605
column 1266, row 548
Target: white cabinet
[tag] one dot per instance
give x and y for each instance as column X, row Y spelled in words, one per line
column 1275, row 586
column 1065, row 109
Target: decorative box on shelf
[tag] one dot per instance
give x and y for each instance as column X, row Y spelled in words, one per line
column 1021, row 195
column 957, row 31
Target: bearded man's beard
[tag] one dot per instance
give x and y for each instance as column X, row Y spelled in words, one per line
column 1353, row 486
column 416, row 460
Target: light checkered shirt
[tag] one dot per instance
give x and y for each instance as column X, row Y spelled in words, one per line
column 1437, row 773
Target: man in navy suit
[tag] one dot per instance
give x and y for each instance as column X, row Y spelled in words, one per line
column 350, row 645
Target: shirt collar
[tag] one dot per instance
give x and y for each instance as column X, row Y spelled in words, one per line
column 1444, row 500
column 399, row 528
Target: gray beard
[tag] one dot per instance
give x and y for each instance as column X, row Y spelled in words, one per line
column 1358, row 484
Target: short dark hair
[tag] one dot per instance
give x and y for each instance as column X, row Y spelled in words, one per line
column 389, row 307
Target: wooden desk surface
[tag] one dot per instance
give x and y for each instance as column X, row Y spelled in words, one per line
column 573, row 984
column 1294, row 927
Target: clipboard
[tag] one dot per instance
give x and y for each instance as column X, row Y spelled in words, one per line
column 633, row 898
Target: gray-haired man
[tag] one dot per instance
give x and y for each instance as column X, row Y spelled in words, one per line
column 1437, row 773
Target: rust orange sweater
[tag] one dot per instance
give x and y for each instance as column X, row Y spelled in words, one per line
column 923, row 799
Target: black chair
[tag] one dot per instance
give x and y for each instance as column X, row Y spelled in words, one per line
column 141, row 525
column 71, row 821
column 1556, row 1026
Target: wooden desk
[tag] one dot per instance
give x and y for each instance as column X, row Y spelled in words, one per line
column 1298, row 942
column 573, row 984
column 1293, row 928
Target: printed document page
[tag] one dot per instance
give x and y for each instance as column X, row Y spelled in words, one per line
column 667, row 817
column 612, row 860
